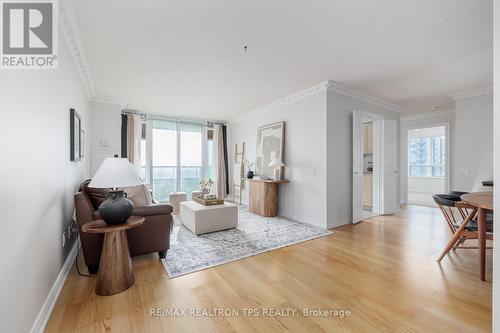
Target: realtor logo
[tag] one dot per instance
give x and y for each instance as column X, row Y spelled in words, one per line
column 29, row 35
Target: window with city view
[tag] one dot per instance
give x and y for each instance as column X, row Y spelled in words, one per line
column 427, row 156
column 181, row 154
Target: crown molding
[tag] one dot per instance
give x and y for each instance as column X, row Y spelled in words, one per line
column 282, row 102
column 349, row 92
column 323, row 86
column 71, row 32
column 425, row 115
column 472, row 93
column 109, row 100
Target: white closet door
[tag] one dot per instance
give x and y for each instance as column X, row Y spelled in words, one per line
column 389, row 168
column 357, row 167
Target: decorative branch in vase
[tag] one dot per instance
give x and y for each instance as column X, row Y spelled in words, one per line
column 206, row 185
column 249, row 165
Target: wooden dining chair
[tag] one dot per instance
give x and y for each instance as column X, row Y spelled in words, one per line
column 460, row 218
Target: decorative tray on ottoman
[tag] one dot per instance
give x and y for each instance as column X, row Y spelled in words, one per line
column 208, row 202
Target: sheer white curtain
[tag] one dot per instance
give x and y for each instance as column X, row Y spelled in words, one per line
column 134, row 137
column 219, row 170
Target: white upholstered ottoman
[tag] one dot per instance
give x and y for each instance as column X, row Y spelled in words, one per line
column 201, row 219
column 175, row 199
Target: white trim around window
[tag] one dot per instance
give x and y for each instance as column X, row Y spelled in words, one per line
column 404, row 155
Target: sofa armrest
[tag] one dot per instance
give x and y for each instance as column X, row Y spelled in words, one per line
column 161, row 209
column 153, row 210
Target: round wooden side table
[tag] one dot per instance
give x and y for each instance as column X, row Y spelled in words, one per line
column 115, row 267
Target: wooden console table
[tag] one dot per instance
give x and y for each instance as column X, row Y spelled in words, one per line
column 263, row 196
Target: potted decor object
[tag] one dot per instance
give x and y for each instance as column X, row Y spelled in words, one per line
column 249, row 165
column 206, row 186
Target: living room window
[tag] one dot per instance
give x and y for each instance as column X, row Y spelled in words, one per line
column 190, row 157
column 427, row 156
column 177, row 155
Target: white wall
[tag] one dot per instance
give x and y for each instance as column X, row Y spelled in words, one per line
column 105, row 125
column 421, row 190
column 318, row 155
column 496, row 117
column 339, row 150
column 473, row 152
column 304, row 198
column 38, row 183
column 426, row 185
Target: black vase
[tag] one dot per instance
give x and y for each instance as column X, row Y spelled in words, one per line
column 250, row 174
column 116, row 209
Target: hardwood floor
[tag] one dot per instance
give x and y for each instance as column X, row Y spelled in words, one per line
column 383, row 270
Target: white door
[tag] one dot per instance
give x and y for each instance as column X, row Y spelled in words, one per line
column 357, row 167
column 390, row 173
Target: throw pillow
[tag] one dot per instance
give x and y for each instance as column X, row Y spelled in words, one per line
column 96, row 195
column 139, row 195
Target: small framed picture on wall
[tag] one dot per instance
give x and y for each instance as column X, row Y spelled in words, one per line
column 75, row 126
column 82, row 143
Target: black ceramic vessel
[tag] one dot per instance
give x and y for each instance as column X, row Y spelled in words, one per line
column 250, row 174
column 116, row 209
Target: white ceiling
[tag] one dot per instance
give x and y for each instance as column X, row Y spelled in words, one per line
column 186, row 57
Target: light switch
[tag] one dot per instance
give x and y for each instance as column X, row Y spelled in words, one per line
column 464, row 172
column 104, row 143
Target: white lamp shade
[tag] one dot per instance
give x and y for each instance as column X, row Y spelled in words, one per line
column 276, row 164
column 115, row 172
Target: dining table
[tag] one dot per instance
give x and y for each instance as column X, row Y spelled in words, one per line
column 484, row 203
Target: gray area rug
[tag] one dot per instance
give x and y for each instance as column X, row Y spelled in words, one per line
column 255, row 234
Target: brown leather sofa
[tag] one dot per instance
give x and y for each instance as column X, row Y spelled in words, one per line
column 152, row 236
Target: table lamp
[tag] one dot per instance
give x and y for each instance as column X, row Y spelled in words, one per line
column 276, row 165
column 114, row 173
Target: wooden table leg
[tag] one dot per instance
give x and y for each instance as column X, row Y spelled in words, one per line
column 456, row 236
column 115, row 268
column 481, row 222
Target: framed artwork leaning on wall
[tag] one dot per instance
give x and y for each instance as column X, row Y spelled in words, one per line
column 270, row 146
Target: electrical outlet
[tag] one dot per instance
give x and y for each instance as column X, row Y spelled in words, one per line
column 63, row 238
column 463, row 172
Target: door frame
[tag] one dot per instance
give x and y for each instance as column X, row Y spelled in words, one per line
column 404, row 162
column 376, row 151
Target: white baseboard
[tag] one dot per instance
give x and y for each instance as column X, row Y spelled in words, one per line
column 303, row 219
column 298, row 218
column 338, row 222
column 50, row 301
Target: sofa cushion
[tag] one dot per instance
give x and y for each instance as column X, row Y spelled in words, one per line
column 153, row 210
column 160, row 209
